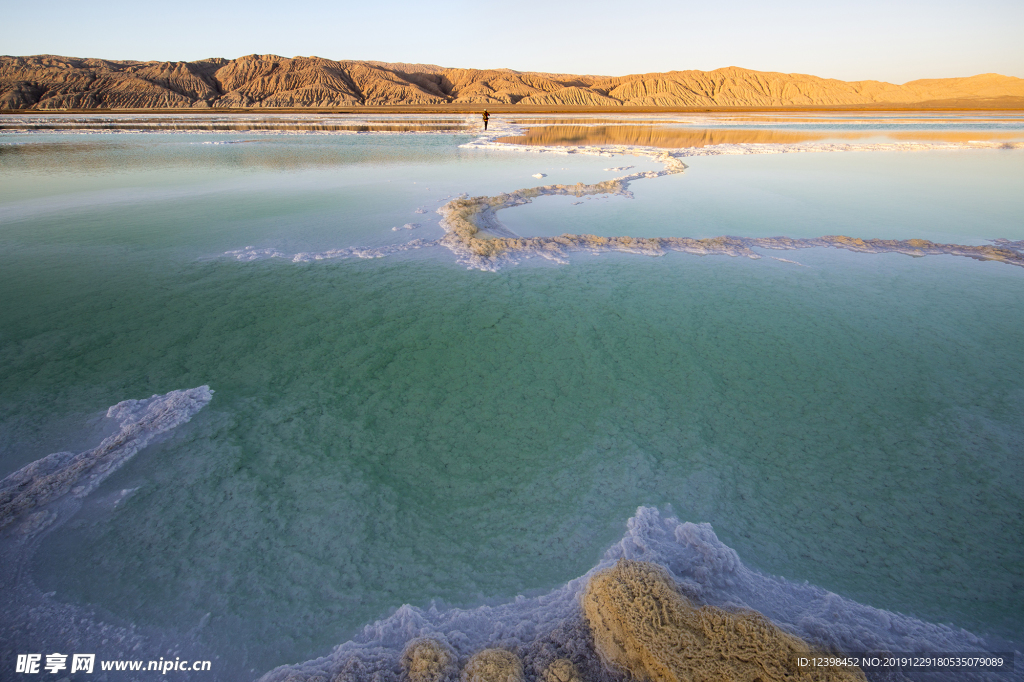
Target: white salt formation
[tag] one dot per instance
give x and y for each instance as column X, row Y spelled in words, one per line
column 480, row 241
column 684, row 583
column 46, row 493
column 251, row 253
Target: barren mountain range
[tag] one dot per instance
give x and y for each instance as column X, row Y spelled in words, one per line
column 48, row 82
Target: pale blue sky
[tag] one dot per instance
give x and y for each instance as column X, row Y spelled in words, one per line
column 891, row 41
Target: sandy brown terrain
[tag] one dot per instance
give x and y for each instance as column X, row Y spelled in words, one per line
column 260, row 82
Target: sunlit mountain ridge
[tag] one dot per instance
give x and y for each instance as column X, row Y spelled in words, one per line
column 47, row 82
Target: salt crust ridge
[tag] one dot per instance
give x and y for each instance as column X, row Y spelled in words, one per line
column 44, row 494
column 273, row 125
column 470, row 223
column 541, row 630
column 480, row 242
column 27, row 495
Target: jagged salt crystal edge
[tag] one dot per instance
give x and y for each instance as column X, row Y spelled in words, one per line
column 38, row 497
column 63, row 475
column 704, row 568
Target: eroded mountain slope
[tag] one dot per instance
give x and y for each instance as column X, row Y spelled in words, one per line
column 49, row 82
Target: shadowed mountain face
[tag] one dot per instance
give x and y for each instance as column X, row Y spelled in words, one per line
column 47, row 82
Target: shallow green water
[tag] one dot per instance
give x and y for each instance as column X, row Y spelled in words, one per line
column 946, row 196
column 397, row 430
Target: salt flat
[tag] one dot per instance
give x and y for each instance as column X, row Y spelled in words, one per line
column 398, row 419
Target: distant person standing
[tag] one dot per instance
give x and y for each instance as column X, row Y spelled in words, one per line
column 486, row 118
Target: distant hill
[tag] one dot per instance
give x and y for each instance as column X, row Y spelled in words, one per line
column 47, row 82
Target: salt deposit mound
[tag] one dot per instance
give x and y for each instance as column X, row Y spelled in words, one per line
column 642, row 625
column 493, row 665
column 644, row 594
column 429, row 660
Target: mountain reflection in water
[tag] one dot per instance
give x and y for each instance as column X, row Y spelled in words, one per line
column 672, row 138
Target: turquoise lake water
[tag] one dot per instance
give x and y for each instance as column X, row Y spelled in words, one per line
column 401, row 429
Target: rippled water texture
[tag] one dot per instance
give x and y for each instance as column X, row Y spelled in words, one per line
column 397, row 430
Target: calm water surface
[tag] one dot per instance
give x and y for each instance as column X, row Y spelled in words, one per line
column 397, row 430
